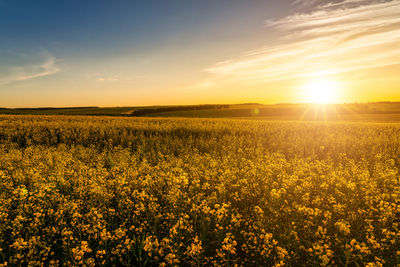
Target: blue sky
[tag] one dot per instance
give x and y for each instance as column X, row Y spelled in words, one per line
column 109, row 53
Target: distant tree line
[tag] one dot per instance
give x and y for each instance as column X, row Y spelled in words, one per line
column 146, row 111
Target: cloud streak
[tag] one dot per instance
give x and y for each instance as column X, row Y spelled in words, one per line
column 28, row 72
column 334, row 37
column 108, row 79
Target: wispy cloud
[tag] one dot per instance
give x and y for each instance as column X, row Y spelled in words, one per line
column 31, row 71
column 333, row 37
column 49, row 67
column 102, row 78
column 108, row 79
column 304, row 3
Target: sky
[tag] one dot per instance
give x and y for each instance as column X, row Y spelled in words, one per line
column 129, row 53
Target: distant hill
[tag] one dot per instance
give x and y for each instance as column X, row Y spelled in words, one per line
column 377, row 111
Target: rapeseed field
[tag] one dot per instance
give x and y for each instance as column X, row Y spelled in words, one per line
column 99, row 191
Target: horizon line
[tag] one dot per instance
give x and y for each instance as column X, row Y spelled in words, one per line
column 204, row 104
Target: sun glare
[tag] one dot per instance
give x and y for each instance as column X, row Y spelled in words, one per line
column 321, row 91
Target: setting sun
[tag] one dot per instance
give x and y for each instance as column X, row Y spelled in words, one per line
column 321, row 91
